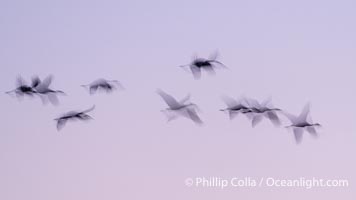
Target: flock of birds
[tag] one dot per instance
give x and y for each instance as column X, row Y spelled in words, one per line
column 254, row 110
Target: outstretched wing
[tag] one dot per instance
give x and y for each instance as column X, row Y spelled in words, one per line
column 53, row 98
column 304, row 114
column 213, row 59
column 210, row 70
column 93, row 89
column 118, row 84
column 194, row 116
column 185, row 99
column 230, row 102
column 35, row 81
column 61, row 123
column 170, row 101
column 99, row 81
column 196, row 71
column 44, row 85
column 267, row 102
column 213, row 56
column 298, row 135
column 273, row 117
column 89, row 110
column 232, row 114
column 312, row 131
column 253, row 103
column 20, row 81
column 170, row 115
column 256, row 120
column 292, row 118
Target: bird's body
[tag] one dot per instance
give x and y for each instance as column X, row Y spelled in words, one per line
column 180, row 108
column 301, row 123
column 305, row 124
column 201, row 62
column 263, row 109
column 25, row 90
column 238, row 108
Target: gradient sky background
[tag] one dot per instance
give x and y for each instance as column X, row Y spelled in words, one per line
column 295, row 51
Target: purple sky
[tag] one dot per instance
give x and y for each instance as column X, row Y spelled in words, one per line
column 295, row 52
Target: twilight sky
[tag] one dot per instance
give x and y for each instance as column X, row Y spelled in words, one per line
column 294, row 51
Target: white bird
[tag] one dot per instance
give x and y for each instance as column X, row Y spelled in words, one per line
column 103, row 84
column 199, row 64
column 23, row 89
column 73, row 115
column 257, row 111
column 234, row 107
column 181, row 108
column 301, row 123
column 43, row 89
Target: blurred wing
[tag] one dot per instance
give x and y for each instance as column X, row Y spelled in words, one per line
column 213, row 59
column 53, row 98
column 273, row 117
column 89, row 110
column 44, row 99
column 20, row 81
column 292, row 118
column 298, row 135
column 61, row 123
column 233, row 114
column 170, row 115
column 312, row 131
column 253, row 103
column 185, row 99
column 19, row 95
column 213, row 56
column 210, row 70
column 84, row 117
column 98, row 81
column 194, row 116
column 35, row 81
column 196, row 72
column 230, row 102
column 256, row 120
column 194, row 57
column 93, row 89
column 250, row 115
column 45, row 84
column 243, row 101
column 220, row 64
column 118, row 85
column 266, row 102
column 305, row 112
column 170, row 101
